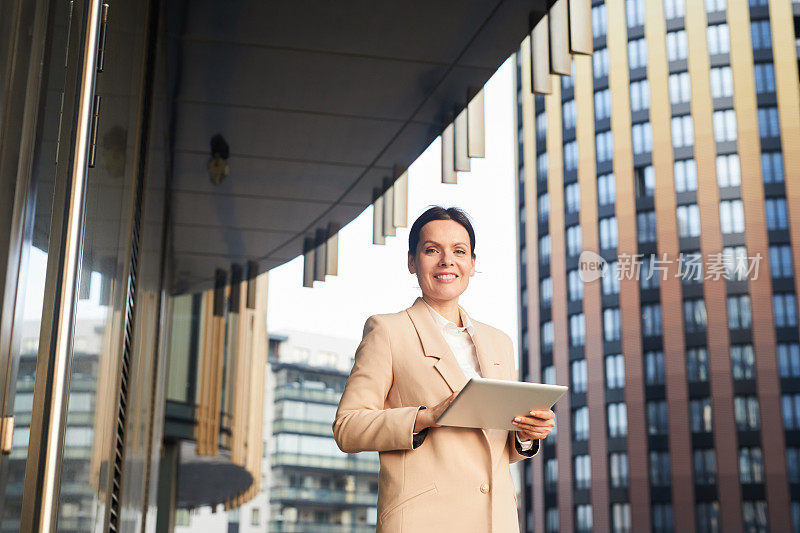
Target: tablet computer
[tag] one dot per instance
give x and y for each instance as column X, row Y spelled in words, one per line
column 493, row 403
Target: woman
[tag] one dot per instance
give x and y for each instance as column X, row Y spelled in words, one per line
column 408, row 368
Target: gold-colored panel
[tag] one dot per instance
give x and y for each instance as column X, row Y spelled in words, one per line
column 559, row 38
column 580, row 27
column 476, row 129
column 540, row 57
column 401, row 197
column 448, row 154
column 714, row 291
column 461, row 143
column 388, row 208
column 763, row 325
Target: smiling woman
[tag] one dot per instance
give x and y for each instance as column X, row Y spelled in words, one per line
column 435, row 476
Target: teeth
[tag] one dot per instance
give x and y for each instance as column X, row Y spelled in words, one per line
column 446, row 276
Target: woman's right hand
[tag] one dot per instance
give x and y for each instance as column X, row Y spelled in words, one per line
column 426, row 418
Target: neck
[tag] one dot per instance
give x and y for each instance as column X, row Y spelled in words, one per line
column 448, row 309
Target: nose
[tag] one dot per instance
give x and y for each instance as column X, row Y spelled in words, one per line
column 447, row 258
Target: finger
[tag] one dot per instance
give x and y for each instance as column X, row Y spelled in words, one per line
column 531, row 427
column 545, row 415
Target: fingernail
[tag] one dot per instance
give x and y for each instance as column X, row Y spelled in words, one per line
column 517, row 419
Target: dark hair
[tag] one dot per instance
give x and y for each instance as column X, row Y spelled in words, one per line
column 438, row 212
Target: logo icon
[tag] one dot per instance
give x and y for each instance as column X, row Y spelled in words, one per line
column 591, row 266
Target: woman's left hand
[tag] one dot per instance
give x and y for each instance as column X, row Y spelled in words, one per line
column 536, row 426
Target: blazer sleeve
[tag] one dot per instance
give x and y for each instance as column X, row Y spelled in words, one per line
column 362, row 423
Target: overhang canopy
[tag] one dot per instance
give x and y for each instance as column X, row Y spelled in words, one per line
column 318, row 101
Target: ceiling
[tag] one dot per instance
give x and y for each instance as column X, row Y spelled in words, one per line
column 318, row 102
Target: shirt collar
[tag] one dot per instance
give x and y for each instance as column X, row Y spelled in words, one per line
column 445, row 324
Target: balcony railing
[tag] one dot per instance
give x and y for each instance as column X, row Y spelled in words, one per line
column 312, row 395
column 281, row 425
column 324, row 496
column 324, row 462
column 318, row 527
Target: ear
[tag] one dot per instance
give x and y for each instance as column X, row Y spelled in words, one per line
column 472, row 270
column 412, row 268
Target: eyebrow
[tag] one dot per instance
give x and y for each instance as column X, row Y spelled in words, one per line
column 437, row 244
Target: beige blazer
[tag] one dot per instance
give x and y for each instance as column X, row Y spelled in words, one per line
column 458, row 479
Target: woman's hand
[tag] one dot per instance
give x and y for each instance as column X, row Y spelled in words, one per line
column 426, row 418
column 536, row 426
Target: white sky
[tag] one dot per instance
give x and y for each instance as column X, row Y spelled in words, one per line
column 375, row 279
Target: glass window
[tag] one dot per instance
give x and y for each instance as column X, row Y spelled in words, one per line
column 611, row 325
column 599, row 21
column 651, row 272
column 760, row 34
column 707, row 517
column 646, row 226
column 790, row 404
column 680, row 88
column 644, row 177
column 583, row 519
column 651, row 320
column 544, row 249
column 691, row 267
column 637, row 53
column 659, row 469
column 743, row 364
column 640, row 95
column 615, row 371
column 544, row 206
column 721, row 82
column 549, row 375
column 768, row 125
column 541, row 166
column 739, row 311
column 634, row 12
column 582, row 472
column 677, row 46
column 602, row 104
column 688, row 217
column 745, row 410
column 572, row 198
column 580, row 423
column 793, row 464
column 541, row 125
column 754, row 514
column 784, row 309
column 731, row 216
column 571, row 155
column 574, row 241
column 674, row 9
column 772, row 167
column 700, row 415
column 685, row 175
column 578, row 375
column 551, row 475
column 546, row 290
column 552, row 520
column 642, row 137
column 705, row 467
column 618, row 465
column 574, row 285
column 604, row 143
column 620, row 518
column 654, row 367
column 610, row 280
column 728, row 170
column 657, row 417
column 736, row 262
column 682, row 131
column 751, row 466
column 617, row 420
column 600, row 63
column 547, row 335
column 694, row 315
column 577, row 330
column 696, row 365
column 777, row 217
column 715, row 5
column 765, row 78
column 568, row 112
column 606, row 189
column 718, row 39
column 608, row 233
column 724, row 125
column 789, row 360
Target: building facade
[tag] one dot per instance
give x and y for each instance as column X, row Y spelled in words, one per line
column 659, row 187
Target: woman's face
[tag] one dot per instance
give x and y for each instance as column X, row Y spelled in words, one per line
column 443, row 262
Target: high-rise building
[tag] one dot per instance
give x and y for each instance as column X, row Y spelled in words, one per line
column 659, row 190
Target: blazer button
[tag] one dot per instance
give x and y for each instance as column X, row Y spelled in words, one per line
column 485, row 488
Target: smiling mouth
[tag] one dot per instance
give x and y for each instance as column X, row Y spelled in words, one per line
column 445, row 277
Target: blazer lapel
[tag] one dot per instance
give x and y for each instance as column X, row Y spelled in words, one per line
column 434, row 345
column 487, row 356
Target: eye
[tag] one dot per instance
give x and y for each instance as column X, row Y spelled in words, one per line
column 461, row 251
column 430, row 250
